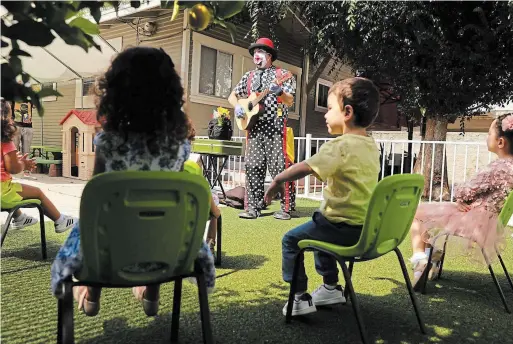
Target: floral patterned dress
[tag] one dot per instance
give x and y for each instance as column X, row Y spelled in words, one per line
column 137, row 153
column 479, row 228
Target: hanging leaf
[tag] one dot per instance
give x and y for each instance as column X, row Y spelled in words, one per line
column 227, row 9
column 19, row 52
column 15, row 63
column 47, row 92
column 176, row 10
column 25, row 77
column 85, row 25
column 29, row 31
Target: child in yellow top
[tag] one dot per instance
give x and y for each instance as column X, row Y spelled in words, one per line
column 349, row 165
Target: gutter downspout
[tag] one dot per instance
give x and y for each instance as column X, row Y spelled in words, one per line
column 185, row 60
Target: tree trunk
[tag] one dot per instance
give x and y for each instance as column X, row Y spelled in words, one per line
column 436, row 130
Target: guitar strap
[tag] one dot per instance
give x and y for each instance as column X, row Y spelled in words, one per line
column 250, row 80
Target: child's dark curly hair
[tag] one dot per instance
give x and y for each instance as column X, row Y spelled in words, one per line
column 141, row 93
column 507, row 134
column 8, row 127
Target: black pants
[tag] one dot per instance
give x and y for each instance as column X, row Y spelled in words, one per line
column 266, row 150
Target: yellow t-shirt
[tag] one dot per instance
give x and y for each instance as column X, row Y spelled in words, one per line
column 350, row 166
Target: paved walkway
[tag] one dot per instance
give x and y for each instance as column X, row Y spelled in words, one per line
column 65, row 193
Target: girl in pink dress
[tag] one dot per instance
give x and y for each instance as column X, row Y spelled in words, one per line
column 473, row 218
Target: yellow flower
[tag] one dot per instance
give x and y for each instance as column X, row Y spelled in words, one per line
column 223, row 112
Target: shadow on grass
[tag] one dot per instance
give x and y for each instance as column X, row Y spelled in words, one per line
column 388, row 319
column 32, row 251
column 302, row 212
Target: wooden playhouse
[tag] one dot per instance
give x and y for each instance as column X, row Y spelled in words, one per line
column 78, row 130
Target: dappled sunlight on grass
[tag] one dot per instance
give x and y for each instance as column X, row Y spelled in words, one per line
column 250, row 294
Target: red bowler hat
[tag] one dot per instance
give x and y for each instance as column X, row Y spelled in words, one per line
column 264, row 44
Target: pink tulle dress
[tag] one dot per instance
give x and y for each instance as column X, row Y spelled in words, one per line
column 478, row 229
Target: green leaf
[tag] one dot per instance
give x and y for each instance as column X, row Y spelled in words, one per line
column 31, row 32
column 15, row 64
column 73, row 36
column 46, row 92
column 176, row 10
column 19, row 52
column 85, row 25
column 16, row 6
column 25, row 77
column 227, row 9
column 166, row 4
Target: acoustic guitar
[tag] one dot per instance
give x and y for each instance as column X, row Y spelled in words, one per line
column 252, row 106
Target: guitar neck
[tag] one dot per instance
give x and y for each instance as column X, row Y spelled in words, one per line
column 266, row 92
column 260, row 97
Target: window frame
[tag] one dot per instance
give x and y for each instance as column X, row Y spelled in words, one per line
column 325, row 83
column 215, row 72
column 238, row 55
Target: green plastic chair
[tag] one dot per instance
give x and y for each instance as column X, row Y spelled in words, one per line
column 194, row 168
column 27, row 203
column 389, row 217
column 504, row 217
column 132, row 220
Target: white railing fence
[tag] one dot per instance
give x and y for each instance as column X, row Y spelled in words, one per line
column 460, row 160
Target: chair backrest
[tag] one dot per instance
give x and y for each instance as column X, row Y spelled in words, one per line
column 507, row 210
column 391, row 212
column 139, row 228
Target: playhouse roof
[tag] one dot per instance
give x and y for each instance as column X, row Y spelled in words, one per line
column 87, row 117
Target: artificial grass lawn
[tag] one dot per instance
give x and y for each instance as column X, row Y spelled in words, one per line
column 246, row 307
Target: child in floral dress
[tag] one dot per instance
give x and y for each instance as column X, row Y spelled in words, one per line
column 473, row 218
column 144, row 129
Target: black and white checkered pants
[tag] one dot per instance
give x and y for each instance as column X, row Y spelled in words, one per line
column 266, row 150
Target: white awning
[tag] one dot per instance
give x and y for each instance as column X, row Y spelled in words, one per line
column 59, row 61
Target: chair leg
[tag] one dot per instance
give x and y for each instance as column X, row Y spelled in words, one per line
column 499, row 289
column 443, row 257
column 351, row 265
column 354, row 303
column 7, row 225
column 65, row 326
column 43, row 234
column 175, row 319
column 410, row 290
column 206, row 327
column 505, row 271
column 422, row 283
column 219, row 239
column 293, row 286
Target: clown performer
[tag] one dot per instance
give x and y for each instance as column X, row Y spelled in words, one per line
column 266, row 148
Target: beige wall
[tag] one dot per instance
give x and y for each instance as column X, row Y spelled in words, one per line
column 315, row 122
column 54, row 113
column 168, row 35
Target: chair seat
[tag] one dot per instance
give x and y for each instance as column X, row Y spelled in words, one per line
column 8, row 206
column 343, row 251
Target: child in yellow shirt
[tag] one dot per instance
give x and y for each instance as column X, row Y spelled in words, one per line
column 349, row 165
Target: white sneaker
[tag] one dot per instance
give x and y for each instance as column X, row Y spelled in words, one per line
column 23, row 221
column 302, row 306
column 67, row 223
column 323, row 296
